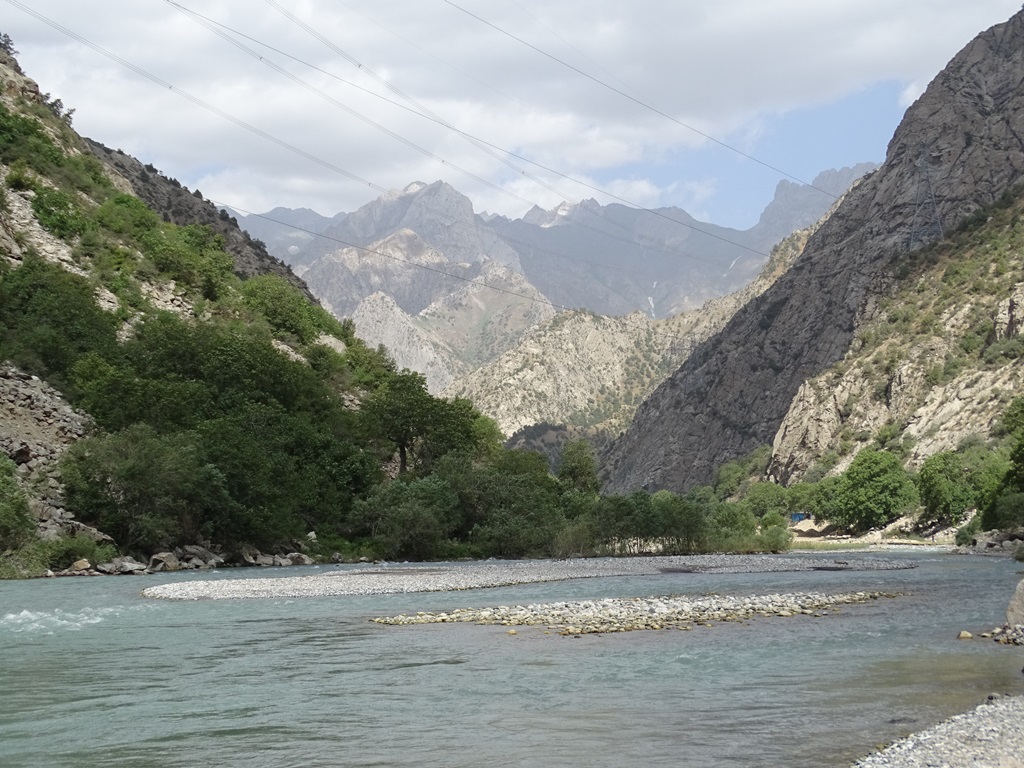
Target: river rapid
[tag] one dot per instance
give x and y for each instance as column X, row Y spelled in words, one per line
column 94, row 674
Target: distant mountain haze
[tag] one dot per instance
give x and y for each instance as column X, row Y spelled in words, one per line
column 608, row 259
column 448, row 291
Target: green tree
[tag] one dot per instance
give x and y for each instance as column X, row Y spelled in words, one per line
column 775, row 535
column 410, row 520
column 732, row 475
column 1006, row 507
column 1012, row 421
column 946, row 491
column 578, row 467
column 733, row 527
column 685, row 520
column 765, row 498
column 147, row 491
column 800, row 498
column 402, row 411
column 986, row 470
column 49, row 318
column 873, row 491
column 286, row 310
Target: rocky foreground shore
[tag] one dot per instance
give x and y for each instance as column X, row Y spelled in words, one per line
column 445, row 577
column 992, row 736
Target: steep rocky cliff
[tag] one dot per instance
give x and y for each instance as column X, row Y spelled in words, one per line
column 381, row 321
column 958, row 148
column 404, row 265
column 934, row 363
column 589, row 371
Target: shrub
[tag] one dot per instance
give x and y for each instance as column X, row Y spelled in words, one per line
column 58, row 212
column 966, row 534
column 16, row 524
column 193, row 256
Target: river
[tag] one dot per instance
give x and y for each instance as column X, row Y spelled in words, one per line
column 93, row 674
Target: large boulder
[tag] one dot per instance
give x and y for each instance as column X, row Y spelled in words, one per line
column 1015, row 613
column 164, row 561
column 197, row 552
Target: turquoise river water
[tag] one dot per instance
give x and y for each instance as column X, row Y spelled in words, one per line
column 92, row 674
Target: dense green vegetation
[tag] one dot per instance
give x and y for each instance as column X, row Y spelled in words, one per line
column 875, row 489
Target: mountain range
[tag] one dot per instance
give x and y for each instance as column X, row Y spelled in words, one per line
column 448, row 292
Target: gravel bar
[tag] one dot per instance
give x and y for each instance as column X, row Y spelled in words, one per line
column 637, row 613
column 990, row 736
column 445, row 577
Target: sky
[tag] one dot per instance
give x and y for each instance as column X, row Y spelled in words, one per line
column 325, row 104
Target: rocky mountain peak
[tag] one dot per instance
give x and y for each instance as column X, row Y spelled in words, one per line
column 957, row 149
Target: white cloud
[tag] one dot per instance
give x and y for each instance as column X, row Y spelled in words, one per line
column 726, row 68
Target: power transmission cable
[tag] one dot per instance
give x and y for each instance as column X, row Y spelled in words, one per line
column 354, row 113
column 590, row 262
column 486, row 146
column 240, row 123
column 635, row 100
column 426, row 113
column 479, row 145
column 479, row 141
column 566, row 43
column 414, row 44
column 267, row 136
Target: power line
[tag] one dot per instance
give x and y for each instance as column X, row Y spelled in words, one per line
column 475, row 139
column 487, row 147
column 253, row 129
column 303, row 153
column 424, row 112
column 637, row 101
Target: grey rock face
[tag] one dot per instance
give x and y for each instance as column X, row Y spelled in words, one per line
column 379, row 320
column 1015, row 611
column 437, row 212
column 403, row 265
column 961, row 142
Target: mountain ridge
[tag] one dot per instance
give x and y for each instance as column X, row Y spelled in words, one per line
column 959, row 142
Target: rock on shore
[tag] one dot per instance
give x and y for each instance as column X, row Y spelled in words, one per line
column 990, row 735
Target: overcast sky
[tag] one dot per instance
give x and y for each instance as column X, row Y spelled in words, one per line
column 800, row 85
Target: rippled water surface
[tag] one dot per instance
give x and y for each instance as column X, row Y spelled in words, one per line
column 92, row 674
